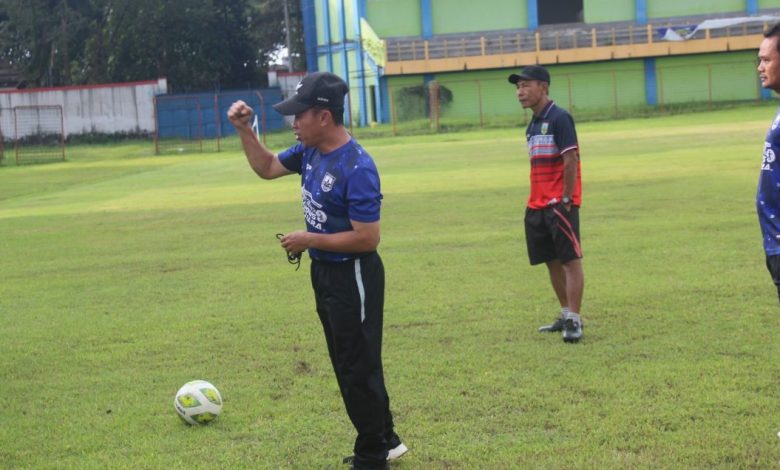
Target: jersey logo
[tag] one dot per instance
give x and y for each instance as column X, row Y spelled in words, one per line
column 769, row 157
column 327, row 182
column 545, row 126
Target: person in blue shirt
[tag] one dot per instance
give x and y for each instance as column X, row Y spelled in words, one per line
column 340, row 192
column 768, row 195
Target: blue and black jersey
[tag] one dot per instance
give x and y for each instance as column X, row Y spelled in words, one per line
column 549, row 136
column 768, row 197
column 336, row 187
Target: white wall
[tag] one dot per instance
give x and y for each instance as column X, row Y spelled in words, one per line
column 111, row 108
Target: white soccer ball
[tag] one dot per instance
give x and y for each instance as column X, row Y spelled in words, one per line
column 198, row 402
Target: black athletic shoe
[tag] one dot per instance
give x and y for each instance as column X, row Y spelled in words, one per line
column 572, row 330
column 557, row 325
column 355, row 466
column 393, row 453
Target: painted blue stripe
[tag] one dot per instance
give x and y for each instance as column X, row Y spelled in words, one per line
column 533, row 14
column 641, row 11
column 751, row 7
column 384, row 93
column 310, row 34
column 651, row 82
column 360, row 8
column 426, row 10
column 328, row 38
column 344, row 57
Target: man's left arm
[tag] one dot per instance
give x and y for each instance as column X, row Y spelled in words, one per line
column 570, row 159
column 566, row 140
column 364, row 237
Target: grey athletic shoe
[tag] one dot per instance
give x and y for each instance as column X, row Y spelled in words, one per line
column 557, row 325
column 572, row 330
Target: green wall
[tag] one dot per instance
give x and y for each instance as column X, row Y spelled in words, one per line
column 603, row 11
column 395, row 17
column 610, row 88
column 768, row 4
column 670, row 8
column 603, row 85
column 575, row 87
column 727, row 76
column 462, row 16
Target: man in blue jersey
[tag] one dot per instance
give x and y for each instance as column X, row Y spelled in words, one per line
column 341, row 205
column 768, row 197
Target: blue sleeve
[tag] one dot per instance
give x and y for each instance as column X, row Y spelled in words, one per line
column 292, row 158
column 364, row 195
column 565, row 134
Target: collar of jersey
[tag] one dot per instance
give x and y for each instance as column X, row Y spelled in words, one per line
column 339, row 149
column 545, row 110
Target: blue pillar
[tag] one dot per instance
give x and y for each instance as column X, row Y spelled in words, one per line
column 651, row 83
column 344, row 57
column 384, row 94
column 641, row 11
column 327, row 36
column 310, row 34
column 427, row 19
column 533, row 14
column 360, row 8
column 378, row 98
column 752, row 7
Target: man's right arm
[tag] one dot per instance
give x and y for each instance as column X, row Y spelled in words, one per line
column 264, row 162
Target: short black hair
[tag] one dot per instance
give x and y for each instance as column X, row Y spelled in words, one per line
column 337, row 113
column 774, row 31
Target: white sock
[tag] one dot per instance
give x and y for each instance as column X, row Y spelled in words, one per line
column 564, row 312
column 575, row 316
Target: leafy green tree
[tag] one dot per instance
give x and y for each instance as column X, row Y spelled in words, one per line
column 196, row 44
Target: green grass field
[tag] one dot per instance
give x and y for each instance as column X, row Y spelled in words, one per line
column 124, row 275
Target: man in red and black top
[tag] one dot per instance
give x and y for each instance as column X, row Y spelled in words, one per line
column 552, row 227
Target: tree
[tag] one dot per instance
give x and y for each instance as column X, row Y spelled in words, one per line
column 196, row 44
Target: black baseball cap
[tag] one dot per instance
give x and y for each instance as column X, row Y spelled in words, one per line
column 532, row 72
column 321, row 89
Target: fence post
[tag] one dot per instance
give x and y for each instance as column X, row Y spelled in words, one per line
column 615, row 93
column 392, row 110
column 479, row 96
column 571, row 98
column 661, row 90
column 593, row 40
column 433, row 93
column 709, row 85
column 425, row 48
column 538, row 42
column 219, row 122
column 156, row 129
column 482, row 44
column 261, row 100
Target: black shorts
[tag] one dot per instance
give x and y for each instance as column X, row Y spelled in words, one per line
column 553, row 233
column 773, row 265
